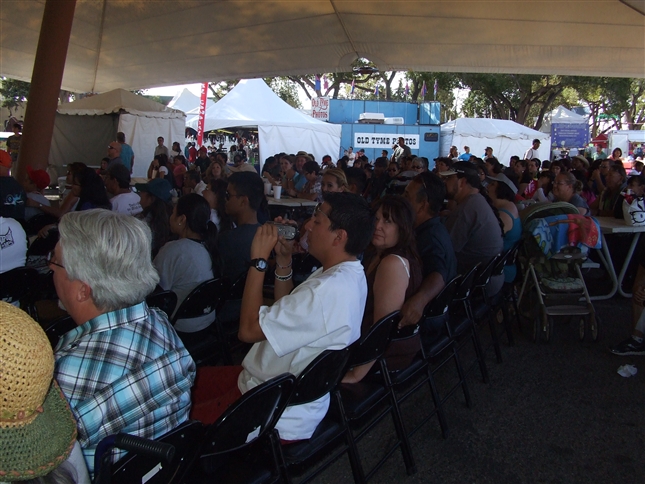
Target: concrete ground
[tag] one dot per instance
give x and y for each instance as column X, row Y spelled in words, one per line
column 552, row 413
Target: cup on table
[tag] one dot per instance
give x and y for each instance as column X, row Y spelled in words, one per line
column 267, row 188
column 277, row 191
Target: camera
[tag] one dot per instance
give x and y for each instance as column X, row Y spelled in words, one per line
column 286, row 231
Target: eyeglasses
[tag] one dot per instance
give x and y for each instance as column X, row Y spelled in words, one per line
column 417, row 167
column 561, row 183
column 228, row 196
column 50, row 260
column 319, row 209
column 392, row 170
column 111, row 147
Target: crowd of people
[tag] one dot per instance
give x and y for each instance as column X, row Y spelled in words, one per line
column 388, row 236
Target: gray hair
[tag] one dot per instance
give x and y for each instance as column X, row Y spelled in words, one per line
column 111, row 253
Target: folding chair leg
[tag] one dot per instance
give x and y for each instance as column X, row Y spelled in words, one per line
column 437, row 404
column 462, row 376
column 406, row 449
column 494, row 335
column 507, row 324
column 480, row 355
column 352, row 449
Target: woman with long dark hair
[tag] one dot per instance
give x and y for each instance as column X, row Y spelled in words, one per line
column 156, row 203
column 91, row 192
column 185, row 263
column 393, row 271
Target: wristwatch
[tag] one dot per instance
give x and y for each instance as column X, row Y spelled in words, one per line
column 260, row 264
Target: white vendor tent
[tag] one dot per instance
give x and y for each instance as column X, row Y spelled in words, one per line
column 187, row 101
column 84, row 128
column 281, row 128
column 507, row 138
column 562, row 115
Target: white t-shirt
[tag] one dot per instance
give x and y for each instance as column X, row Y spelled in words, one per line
column 127, row 203
column 531, row 153
column 13, row 245
column 200, row 187
column 324, row 312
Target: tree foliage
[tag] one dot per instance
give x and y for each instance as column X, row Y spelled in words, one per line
column 13, row 93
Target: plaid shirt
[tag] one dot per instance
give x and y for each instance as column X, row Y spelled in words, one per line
column 124, row 371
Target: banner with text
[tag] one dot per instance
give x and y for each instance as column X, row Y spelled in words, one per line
column 320, row 108
column 202, row 114
column 384, row 141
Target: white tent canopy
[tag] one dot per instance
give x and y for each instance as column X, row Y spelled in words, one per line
column 186, row 101
column 84, row 128
column 281, row 128
column 561, row 115
column 507, row 138
column 135, row 44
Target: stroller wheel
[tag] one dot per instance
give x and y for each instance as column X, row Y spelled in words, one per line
column 594, row 331
column 581, row 329
column 547, row 329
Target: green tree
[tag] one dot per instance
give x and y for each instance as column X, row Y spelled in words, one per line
column 286, row 90
column 13, row 93
column 518, row 97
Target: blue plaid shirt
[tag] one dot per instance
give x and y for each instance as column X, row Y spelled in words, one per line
column 124, row 371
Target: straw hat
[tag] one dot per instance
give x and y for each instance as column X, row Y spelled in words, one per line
column 37, row 429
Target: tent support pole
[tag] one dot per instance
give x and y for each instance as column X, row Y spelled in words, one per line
column 46, row 80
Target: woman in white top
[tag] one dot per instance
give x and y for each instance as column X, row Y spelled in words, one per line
column 393, row 271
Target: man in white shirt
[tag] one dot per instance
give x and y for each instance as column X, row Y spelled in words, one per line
column 322, row 313
column 193, row 183
column 532, row 152
column 125, row 200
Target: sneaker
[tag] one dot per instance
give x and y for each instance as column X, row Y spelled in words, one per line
column 629, row 347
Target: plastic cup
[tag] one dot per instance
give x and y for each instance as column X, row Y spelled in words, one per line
column 267, row 188
column 277, row 191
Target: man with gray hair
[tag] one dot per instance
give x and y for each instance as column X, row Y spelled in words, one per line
column 123, row 368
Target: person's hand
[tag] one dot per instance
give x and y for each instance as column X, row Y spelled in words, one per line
column 411, row 312
column 266, row 238
column 284, row 248
column 44, row 232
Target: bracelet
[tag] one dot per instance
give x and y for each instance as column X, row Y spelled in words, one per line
column 284, row 278
column 284, row 267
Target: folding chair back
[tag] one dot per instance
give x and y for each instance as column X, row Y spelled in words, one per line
column 164, row 300
column 321, row 376
column 373, row 345
column 204, row 299
column 250, row 418
column 467, row 283
column 58, row 328
column 135, row 467
column 16, row 284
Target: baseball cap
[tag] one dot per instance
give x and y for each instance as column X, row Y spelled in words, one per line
column 467, row 170
column 5, row 159
column 39, row 177
column 501, row 178
column 159, row 187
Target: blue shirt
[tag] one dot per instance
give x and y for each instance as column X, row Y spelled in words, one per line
column 435, row 249
column 124, row 371
column 465, row 156
column 126, row 155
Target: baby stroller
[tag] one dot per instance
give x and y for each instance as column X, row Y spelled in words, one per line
column 556, row 239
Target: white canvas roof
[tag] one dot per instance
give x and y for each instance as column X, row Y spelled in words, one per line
column 186, row 101
column 117, row 100
column 564, row 115
column 507, row 138
column 145, row 43
column 280, row 126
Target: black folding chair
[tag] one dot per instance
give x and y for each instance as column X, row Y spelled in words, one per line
column 370, row 398
column 166, row 460
column 482, row 306
column 16, row 285
column 319, row 378
column 239, row 446
column 163, row 300
column 58, row 328
column 204, row 299
column 227, row 322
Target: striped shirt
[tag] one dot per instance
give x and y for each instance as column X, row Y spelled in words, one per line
column 124, row 371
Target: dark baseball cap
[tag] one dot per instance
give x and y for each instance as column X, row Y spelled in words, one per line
column 159, row 187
